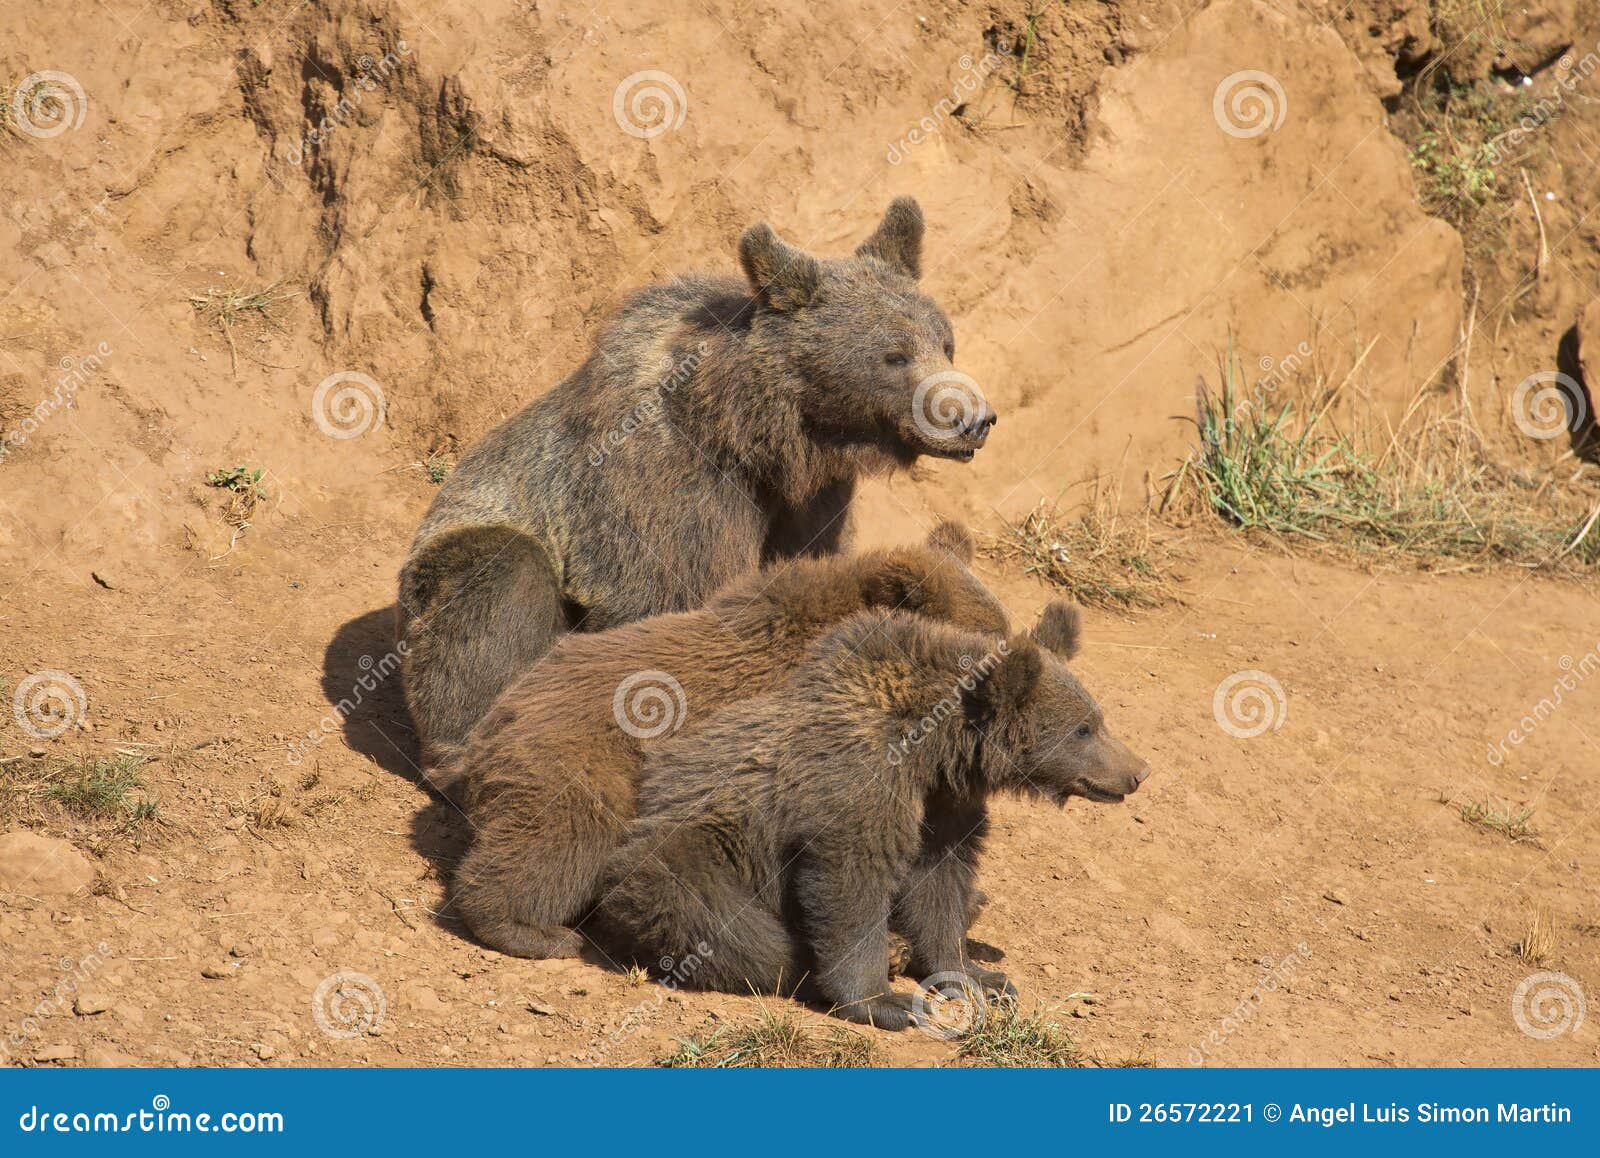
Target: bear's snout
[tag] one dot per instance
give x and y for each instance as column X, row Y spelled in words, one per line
column 978, row 429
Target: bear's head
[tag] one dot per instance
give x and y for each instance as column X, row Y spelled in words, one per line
column 933, row 580
column 1051, row 734
column 874, row 352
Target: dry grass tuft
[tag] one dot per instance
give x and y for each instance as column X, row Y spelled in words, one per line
column 775, row 1040
column 231, row 308
column 1538, row 940
column 1100, row 557
column 245, row 492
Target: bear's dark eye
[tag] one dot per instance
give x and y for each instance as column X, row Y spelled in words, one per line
column 1084, row 731
column 896, row 359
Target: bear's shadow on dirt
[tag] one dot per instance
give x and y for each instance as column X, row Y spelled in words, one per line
column 360, row 679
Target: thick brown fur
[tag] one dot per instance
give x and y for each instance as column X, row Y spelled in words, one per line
column 782, row 840
column 548, row 777
column 718, row 424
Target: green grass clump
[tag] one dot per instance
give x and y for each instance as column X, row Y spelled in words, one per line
column 102, row 789
column 1511, row 823
column 1434, row 493
column 1010, row 1038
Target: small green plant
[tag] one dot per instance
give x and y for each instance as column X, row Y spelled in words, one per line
column 244, row 487
column 774, row 1040
column 1010, row 1038
column 239, row 479
column 1511, row 823
column 103, row 789
column 438, row 466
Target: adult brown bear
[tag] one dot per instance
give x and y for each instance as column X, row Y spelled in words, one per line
column 718, row 424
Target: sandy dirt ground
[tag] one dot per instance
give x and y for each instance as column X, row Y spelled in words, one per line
column 439, row 202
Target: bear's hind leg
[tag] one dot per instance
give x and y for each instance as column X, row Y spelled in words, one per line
column 681, row 910
column 477, row 607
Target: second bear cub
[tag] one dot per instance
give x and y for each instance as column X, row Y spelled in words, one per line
column 548, row 776
column 781, row 840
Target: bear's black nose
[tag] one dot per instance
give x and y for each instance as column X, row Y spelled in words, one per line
column 978, row 428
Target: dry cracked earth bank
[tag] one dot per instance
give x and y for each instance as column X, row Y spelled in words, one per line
column 335, row 241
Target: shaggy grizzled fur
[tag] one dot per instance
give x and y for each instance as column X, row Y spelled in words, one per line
column 784, row 838
column 548, row 777
column 717, row 425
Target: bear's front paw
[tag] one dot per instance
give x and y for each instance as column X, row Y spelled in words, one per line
column 890, row 1011
column 995, row 985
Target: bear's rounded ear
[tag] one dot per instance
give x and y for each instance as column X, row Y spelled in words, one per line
column 783, row 277
column 952, row 537
column 1010, row 683
column 1059, row 628
column 897, row 242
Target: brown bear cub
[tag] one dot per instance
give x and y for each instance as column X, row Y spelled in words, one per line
column 718, row 424
column 780, row 841
column 548, row 777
